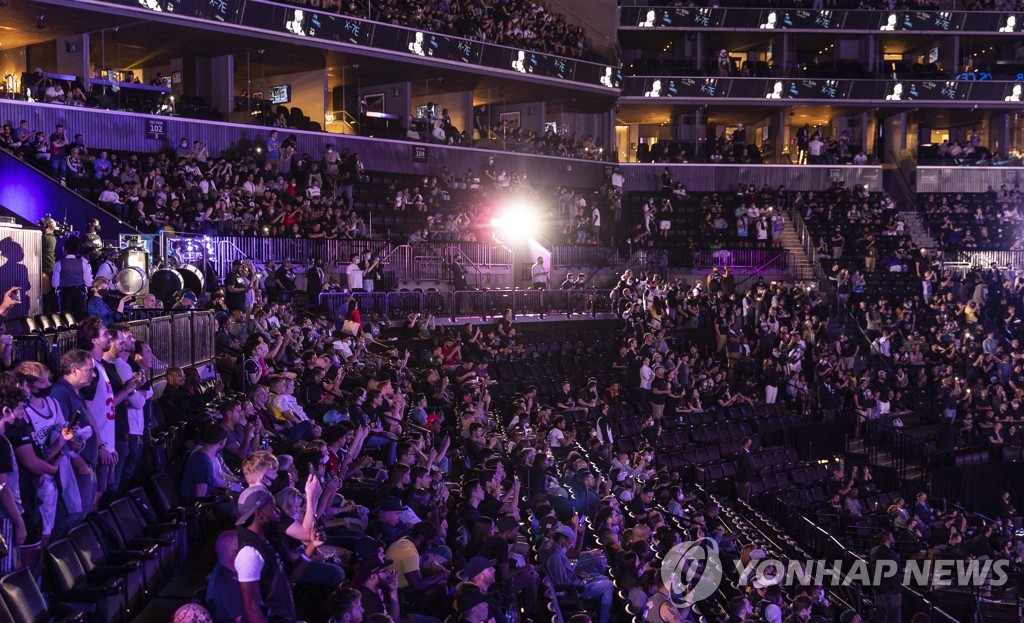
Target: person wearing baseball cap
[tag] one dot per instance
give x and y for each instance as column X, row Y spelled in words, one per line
column 378, row 587
column 388, row 526
column 562, row 573
column 264, row 583
column 480, row 571
column 472, row 604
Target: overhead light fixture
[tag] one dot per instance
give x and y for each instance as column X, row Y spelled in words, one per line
column 41, row 21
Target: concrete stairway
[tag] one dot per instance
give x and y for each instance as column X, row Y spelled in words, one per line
column 802, row 267
column 918, row 231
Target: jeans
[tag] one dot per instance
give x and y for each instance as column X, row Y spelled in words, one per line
column 87, row 491
column 605, row 590
column 59, row 166
column 346, row 194
column 128, row 453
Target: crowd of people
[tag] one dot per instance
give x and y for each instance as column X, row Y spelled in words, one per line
column 526, row 24
column 986, row 221
column 276, row 192
column 395, row 471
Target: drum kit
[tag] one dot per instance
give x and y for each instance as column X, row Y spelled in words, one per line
column 166, row 284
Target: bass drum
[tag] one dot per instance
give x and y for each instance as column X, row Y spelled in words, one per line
column 166, row 284
column 193, row 278
column 131, row 280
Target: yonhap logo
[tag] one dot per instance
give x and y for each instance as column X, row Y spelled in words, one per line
column 692, row 570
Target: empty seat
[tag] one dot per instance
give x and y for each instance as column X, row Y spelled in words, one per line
column 102, row 595
column 25, row 602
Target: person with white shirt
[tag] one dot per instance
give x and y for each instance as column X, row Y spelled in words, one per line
column 646, row 378
column 101, row 401
column 354, row 274
column 41, row 447
column 540, row 274
column 129, row 446
column 107, row 269
column 816, row 149
column 618, row 179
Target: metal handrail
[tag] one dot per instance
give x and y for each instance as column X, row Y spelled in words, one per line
column 903, row 446
column 757, row 271
column 828, row 545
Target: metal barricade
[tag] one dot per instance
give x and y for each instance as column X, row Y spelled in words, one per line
column 181, row 340
column 204, row 330
column 369, row 303
column 161, row 339
column 142, row 331
column 438, row 303
column 401, row 304
column 473, row 303
column 533, row 301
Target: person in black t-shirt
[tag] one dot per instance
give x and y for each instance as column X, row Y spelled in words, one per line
column 236, row 286
column 285, row 277
column 379, row 590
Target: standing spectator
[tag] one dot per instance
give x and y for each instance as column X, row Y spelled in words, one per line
column 236, row 287
column 70, row 278
column 101, row 402
column 540, row 274
column 273, row 152
column 354, row 274
column 368, row 265
column 745, row 471
column 78, row 372
column 120, row 373
column 315, row 282
column 803, row 142
column 12, row 526
column 58, row 141
column 262, row 572
column 888, row 596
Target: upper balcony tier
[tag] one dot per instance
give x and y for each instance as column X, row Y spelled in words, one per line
column 351, row 34
column 952, row 93
column 928, row 21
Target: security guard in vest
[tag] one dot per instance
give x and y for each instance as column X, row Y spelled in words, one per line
column 70, row 276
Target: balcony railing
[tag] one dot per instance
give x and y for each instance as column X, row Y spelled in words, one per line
column 330, row 30
column 644, row 14
column 885, row 92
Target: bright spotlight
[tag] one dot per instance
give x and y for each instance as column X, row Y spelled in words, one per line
column 516, row 220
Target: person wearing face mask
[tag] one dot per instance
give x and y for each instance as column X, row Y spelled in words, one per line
column 39, row 440
column 98, row 306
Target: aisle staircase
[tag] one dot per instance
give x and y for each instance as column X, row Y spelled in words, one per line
column 919, row 231
column 803, row 267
